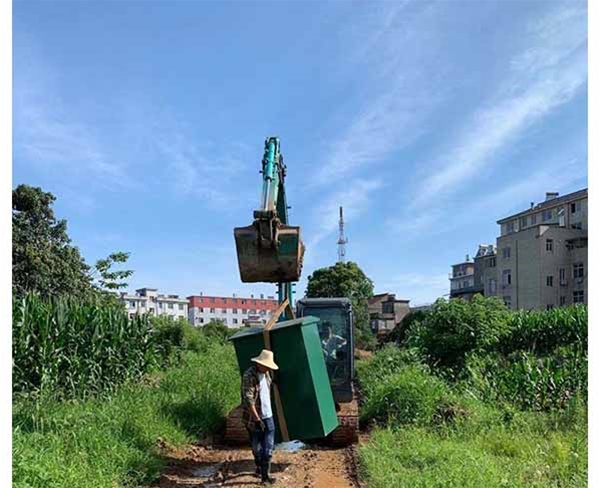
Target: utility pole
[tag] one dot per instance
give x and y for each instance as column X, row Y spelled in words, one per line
column 342, row 239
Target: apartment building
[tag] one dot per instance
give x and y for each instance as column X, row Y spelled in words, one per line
column 486, row 273
column 540, row 260
column 147, row 300
column 462, row 279
column 386, row 312
column 542, row 253
column 233, row 311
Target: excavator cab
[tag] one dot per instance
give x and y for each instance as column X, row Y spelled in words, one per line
column 269, row 250
column 337, row 340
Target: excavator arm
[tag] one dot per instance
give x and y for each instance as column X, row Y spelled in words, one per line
column 269, row 250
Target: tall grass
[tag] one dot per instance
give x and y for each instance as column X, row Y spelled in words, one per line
column 100, row 442
column 482, row 398
column 72, row 348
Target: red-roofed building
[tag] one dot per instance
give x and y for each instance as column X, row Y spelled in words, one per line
column 233, row 311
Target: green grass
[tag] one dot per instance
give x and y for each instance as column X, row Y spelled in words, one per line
column 485, row 449
column 111, row 442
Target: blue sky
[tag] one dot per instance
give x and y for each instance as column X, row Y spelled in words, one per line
column 427, row 121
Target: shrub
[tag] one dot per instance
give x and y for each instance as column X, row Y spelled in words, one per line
column 452, row 329
column 409, row 396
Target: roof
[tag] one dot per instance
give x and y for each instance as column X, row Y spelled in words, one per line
column 548, row 204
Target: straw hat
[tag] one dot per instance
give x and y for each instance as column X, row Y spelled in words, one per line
column 266, row 359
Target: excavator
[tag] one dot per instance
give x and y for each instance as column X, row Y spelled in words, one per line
column 271, row 251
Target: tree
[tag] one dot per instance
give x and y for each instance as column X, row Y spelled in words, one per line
column 44, row 261
column 107, row 280
column 345, row 280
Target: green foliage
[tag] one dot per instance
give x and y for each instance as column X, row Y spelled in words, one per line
column 109, row 279
column 346, row 280
column 43, row 259
column 70, row 347
column 516, row 417
column 102, row 442
column 452, row 329
column 410, row 396
column 524, row 455
column 541, row 332
column 529, row 381
column 217, row 330
column 401, row 332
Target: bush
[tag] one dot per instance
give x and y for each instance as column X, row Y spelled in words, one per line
column 409, row 396
column 452, row 329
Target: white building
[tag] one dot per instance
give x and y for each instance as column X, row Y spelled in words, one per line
column 147, row 300
column 232, row 311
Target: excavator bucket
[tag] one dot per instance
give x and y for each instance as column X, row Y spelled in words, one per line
column 277, row 262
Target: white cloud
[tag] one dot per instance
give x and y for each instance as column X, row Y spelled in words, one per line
column 50, row 133
column 547, row 74
column 396, row 91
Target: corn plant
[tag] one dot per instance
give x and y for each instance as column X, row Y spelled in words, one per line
column 72, row 347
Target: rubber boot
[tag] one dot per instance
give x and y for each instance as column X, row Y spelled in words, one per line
column 258, row 472
column 266, row 477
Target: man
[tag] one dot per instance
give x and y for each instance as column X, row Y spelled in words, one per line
column 258, row 414
column 331, row 344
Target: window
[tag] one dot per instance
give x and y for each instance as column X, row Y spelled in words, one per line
column 253, row 311
column 507, row 301
column 171, row 306
column 243, row 301
column 506, row 277
column 563, row 300
column 212, row 300
column 522, row 222
column 143, row 304
column 223, row 310
column 533, row 219
column 234, row 310
column 253, row 302
column 201, row 310
column 549, row 245
column 575, row 207
column 160, row 305
column 506, row 252
column 465, row 284
column 492, row 286
column 263, row 312
column 562, row 276
column 549, row 280
column 549, row 306
column 244, row 310
column 225, row 321
column 132, row 304
column 577, row 225
column 201, row 320
column 212, row 310
column 546, row 215
column 578, row 270
column 235, row 321
column 578, row 296
column 510, row 227
column 181, row 306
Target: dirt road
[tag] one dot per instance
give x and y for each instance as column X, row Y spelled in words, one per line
column 208, row 466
